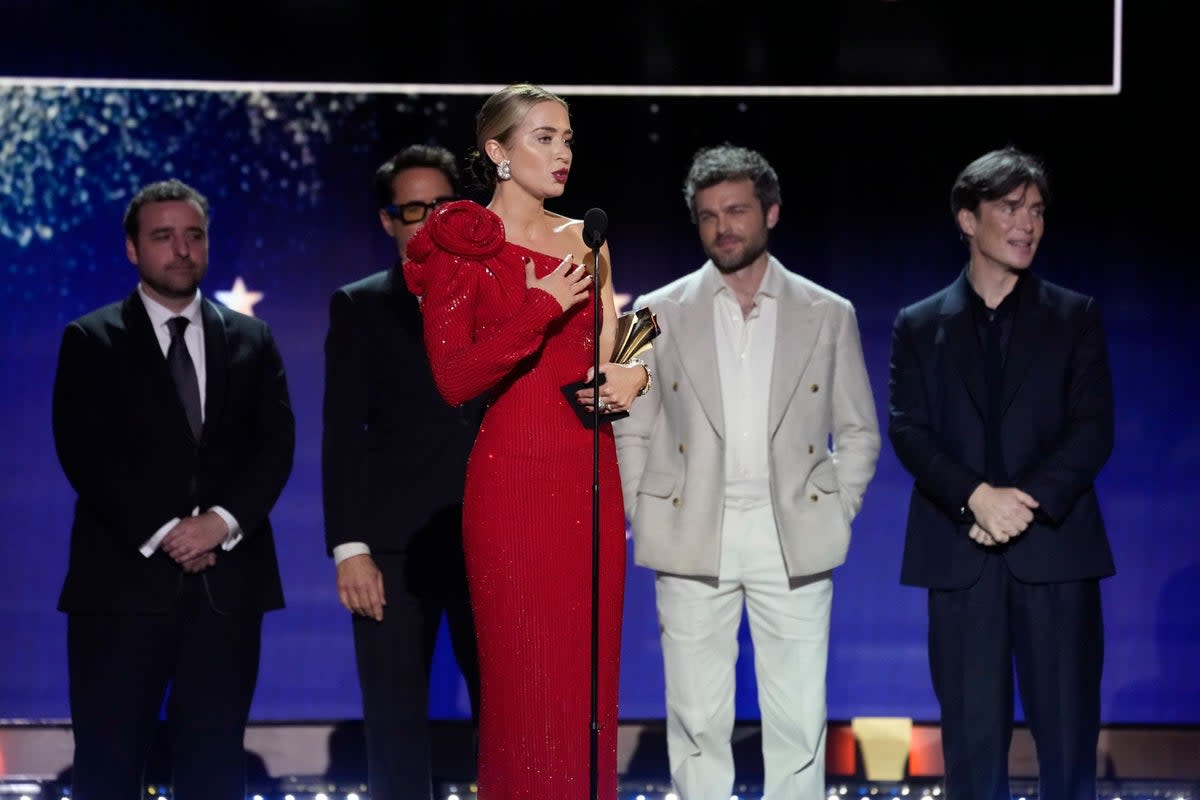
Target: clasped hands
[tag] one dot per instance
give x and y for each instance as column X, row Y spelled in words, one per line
column 192, row 543
column 1001, row 514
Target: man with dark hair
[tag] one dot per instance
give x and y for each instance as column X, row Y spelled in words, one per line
column 741, row 476
column 173, row 424
column 393, row 464
column 1001, row 408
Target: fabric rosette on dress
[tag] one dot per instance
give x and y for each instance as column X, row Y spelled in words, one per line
column 462, row 228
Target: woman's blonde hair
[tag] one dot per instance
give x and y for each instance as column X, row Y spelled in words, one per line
column 497, row 118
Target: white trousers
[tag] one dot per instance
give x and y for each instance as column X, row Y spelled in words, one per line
column 789, row 627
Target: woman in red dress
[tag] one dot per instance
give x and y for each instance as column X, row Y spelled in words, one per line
column 508, row 313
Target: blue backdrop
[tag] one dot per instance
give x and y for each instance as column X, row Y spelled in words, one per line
column 865, row 212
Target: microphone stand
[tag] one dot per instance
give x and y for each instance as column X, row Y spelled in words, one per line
column 594, row 725
column 595, row 228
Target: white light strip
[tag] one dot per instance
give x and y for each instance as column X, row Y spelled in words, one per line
column 1118, row 39
column 576, row 90
column 569, row 90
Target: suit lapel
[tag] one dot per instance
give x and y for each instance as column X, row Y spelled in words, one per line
column 798, row 323
column 404, row 302
column 962, row 341
column 216, row 363
column 1028, row 330
column 697, row 347
column 145, row 340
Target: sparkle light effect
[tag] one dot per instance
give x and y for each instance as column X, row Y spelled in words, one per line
column 239, row 298
column 64, row 150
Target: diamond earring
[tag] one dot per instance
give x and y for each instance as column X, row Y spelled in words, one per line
column 503, row 172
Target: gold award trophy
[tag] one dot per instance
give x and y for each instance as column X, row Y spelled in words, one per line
column 635, row 333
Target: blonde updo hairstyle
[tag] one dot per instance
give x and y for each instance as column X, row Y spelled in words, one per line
column 496, row 119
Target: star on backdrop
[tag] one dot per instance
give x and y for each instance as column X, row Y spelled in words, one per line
column 239, row 298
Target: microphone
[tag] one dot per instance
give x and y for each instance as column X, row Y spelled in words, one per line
column 595, row 227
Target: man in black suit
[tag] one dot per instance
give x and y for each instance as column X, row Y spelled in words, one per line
column 393, row 463
column 1001, row 407
column 173, row 424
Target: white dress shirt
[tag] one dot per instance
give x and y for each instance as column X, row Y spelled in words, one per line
column 193, row 337
column 745, row 350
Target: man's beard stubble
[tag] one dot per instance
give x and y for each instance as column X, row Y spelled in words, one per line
column 166, row 288
column 741, row 259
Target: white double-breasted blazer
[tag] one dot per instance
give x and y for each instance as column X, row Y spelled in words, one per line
column 822, row 429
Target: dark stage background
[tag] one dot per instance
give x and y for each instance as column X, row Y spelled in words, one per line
column 865, row 212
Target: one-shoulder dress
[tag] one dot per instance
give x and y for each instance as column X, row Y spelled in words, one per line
column 528, row 506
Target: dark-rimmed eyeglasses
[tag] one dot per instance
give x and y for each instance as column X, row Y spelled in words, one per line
column 415, row 211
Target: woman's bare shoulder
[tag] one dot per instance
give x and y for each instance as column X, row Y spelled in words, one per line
column 562, row 219
column 561, row 235
column 560, row 224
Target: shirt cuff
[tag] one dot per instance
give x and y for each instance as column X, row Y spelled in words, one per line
column 150, row 546
column 235, row 531
column 349, row 549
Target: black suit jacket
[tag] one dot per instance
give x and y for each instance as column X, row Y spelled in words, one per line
column 125, row 445
column 1057, row 433
column 393, row 452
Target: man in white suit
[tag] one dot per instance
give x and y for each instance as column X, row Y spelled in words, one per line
column 733, row 489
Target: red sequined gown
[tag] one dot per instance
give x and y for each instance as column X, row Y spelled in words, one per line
column 527, row 518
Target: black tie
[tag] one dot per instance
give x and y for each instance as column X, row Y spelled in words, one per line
column 184, row 373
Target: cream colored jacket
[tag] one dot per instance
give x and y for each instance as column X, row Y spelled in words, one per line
column 671, row 447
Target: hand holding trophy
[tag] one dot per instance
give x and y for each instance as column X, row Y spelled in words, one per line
column 635, row 333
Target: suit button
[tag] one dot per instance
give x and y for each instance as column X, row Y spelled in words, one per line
column 674, row 386
column 675, row 501
column 681, row 447
column 812, row 497
column 810, row 449
column 815, row 387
